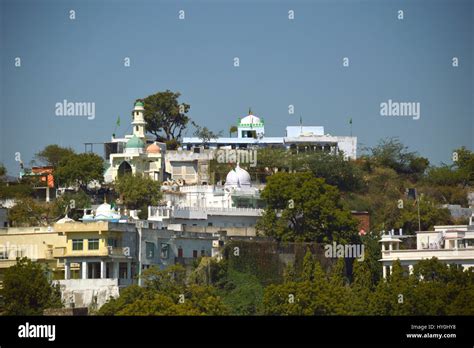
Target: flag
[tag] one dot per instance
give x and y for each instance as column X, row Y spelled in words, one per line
column 118, row 121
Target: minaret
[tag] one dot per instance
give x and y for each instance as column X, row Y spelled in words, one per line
column 138, row 122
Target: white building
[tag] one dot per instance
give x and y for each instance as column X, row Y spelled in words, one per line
column 251, row 133
column 449, row 244
column 133, row 154
column 233, row 207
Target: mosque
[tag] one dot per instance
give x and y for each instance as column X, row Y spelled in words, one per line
column 134, row 153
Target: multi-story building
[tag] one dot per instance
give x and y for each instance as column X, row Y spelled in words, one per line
column 449, row 244
column 251, row 133
column 40, row 244
column 161, row 247
column 134, row 153
column 97, row 260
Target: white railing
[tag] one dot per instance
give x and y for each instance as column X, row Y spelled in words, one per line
column 415, row 254
column 218, row 209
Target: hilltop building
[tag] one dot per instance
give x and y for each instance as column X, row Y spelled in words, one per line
column 251, row 133
column 449, row 244
column 135, row 153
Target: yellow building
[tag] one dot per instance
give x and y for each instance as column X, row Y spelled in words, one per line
column 41, row 244
column 98, row 250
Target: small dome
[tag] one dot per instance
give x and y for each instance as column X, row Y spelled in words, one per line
column 153, row 148
column 250, row 120
column 105, row 212
column 243, row 176
column 232, row 179
column 65, row 220
column 135, row 143
column 103, row 209
column 139, row 103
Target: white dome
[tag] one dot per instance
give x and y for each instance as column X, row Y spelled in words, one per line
column 103, row 209
column 238, row 177
column 250, row 119
column 244, row 177
column 65, row 220
column 232, row 178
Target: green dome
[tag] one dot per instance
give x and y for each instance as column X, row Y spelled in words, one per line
column 139, row 103
column 135, row 143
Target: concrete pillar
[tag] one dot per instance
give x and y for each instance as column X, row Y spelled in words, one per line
column 116, row 270
column 383, row 246
column 391, row 268
column 390, row 247
column 129, row 270
column 67, row 270
column 384, row 271
column 410, row 269
column 47, row 194
column 103, row 267
column 84, row 269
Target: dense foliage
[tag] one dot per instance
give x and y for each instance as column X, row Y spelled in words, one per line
column 27, row 290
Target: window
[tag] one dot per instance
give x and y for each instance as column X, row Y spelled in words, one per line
column 93, row 244
column 112, row 242
column 195, row 253
column 77, row 244
column 164, row 251
column 469, row 243
column 150, row 250
column 203, row 252
column 180, row 252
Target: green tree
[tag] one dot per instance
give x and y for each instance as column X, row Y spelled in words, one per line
column 336, row 170
column 303, row 208
column 29, row 212
column 165, row 117
column 232, row 130
column 52, row 155
column 27, row 291
column 80, row 169
column 391, row 153
column 138, row 191
column 72, row 204
column 205, row 134
column 166, row 292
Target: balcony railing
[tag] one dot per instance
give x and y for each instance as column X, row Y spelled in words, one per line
column 415, row 254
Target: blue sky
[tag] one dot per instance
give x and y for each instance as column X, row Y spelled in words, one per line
column 282, row 62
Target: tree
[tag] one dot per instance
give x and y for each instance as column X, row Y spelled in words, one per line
column 242, row 293
column 391, row 153
column 72, row 204
column 337, row 171
column 232, row 130
column 27, row 291
column 29, row 212
column 80, row 169
column 205, row 134
column 138, row 191
column 51, row 155
column 301, row 207
column 164, row 114
column 166, row 292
